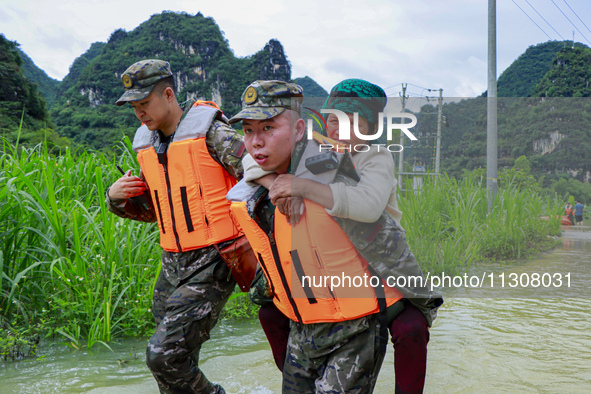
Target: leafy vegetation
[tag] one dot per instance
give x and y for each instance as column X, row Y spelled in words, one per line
column 23, row 115
column 19, row 98
column 204, row 67
column 569, row 75
column 17, row 343
column 80, row 63
column 45, row 85
column 68, row 263
column 551, row 132
column 311, row 87
column 525, row 73
column 82, row 105
column 70, row 267
column 449, row 227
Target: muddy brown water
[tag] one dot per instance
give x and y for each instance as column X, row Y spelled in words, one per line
column 498, row 341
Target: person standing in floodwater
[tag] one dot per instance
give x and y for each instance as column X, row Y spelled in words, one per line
column 569, row 211
column 579, row 209
column 305, row 366
column 189, row 160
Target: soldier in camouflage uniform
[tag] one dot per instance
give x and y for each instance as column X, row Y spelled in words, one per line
column 193, row 285
column 386, row 249
column 341, row 357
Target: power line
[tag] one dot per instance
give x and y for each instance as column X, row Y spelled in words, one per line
column 412, row 94
column 531, row 19
column 544, row 20
column 576, row 15
column 416, row 86
column 407, row 92
column 570, row 22
column 393, row 86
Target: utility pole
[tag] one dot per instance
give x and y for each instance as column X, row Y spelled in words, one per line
column 401, row 154
column 439, row 121
column 491, row 107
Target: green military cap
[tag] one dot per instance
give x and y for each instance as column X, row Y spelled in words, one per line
column 139, row 79
column 266, row 99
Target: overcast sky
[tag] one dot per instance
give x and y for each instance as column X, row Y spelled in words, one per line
column 429, row 44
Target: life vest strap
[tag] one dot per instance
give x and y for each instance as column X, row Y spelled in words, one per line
column 297, row 264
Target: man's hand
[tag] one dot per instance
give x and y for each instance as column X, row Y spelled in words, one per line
column 285, row 185
column 290, row 186
column 291, row 207
column 127, row 186
column 286, row 196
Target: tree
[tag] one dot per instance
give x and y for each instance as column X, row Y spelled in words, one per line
column 16, row 92
column 523, row 165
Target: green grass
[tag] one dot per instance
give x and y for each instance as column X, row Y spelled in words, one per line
column 449, row 227
column 66, row 261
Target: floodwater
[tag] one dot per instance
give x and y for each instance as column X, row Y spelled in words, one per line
column 513, row 342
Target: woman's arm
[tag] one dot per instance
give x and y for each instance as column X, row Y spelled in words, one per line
column 363, row 202
column 290, row 186
column 366, row 201
column 253, row 173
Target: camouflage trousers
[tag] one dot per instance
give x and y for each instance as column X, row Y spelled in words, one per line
column 343, row 357
column 185, row 315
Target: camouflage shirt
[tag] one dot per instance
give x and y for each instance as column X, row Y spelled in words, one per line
column 226, row 147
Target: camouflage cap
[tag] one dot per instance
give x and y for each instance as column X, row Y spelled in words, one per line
column 139, row 79
column 266, row 99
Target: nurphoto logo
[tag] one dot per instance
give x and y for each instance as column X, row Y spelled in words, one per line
column 345, row 130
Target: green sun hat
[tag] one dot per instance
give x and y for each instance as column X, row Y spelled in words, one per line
column 267, row 99
column 141, row 77
column 357, row 95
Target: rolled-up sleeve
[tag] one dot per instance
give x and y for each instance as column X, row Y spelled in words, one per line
column 252, row 171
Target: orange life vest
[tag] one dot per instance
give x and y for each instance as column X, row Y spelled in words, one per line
column 302, row 263
column 188, row 187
